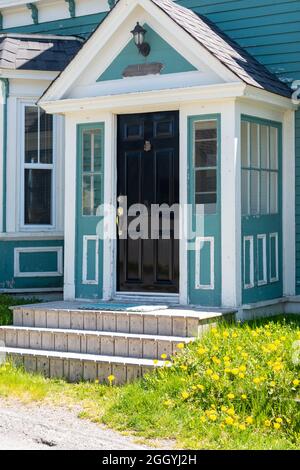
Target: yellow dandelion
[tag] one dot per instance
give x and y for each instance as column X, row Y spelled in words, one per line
column 226, row 359
column 243, row 368
column 230, row 412
column 202, row 351
column 241, row 375
column 216, row 360
column 215, row 377
column 111, row 378
column 244, row 396
column 96, row 381
column 168, row 403
column 229, row 420
column 226, row 334
column 180, row 345
column 267, row 423
column 278, row 420
column 242, row 427
column 231, row 396
column 209, row 372
column 296, row 382
column 203, row 419
column 249, row 420
column 183, row 367
column 224, row 408
column 185, row 395
column 273, row 384
column 234, row 371
column 164, row 356
column 201, row 387
column 155, row 361
column 277, row 425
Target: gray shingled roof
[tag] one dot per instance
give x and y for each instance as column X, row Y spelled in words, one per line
column 229, row 53
column 40, row 52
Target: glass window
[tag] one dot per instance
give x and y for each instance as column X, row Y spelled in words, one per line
column 260, row 177
column 205, row 160
column 38, row 166
column 92, row 171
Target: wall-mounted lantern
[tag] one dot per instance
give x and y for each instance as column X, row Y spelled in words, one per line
column 139, row 38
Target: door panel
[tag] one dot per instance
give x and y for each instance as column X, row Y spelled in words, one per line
column 148, row 173
column 89, row 243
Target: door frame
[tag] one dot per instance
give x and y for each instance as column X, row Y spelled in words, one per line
column 110, row 196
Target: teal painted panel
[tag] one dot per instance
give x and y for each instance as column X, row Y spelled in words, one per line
column 205, row 278
column 204, row 288
column 79, row 26
column 7, row 254
column 38, row 262
column 91, row 257
column 161, row 52
column 89, row 230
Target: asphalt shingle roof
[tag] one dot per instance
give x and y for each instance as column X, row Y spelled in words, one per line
column 229, row 53
column 27, row 52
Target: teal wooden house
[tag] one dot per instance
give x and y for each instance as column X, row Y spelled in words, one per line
column 185, row 103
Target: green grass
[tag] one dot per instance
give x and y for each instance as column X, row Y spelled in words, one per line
column 6, row 301
column 237, row 388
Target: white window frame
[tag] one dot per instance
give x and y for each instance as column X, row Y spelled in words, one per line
column 37, row 166
column 274, row 236
column 249, row 239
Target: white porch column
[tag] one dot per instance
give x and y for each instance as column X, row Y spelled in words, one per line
column 231, row 205
column 2, row 120
column 288, row 204
column 70, row 208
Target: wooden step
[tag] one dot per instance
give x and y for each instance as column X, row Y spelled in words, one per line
column 76, row 367
column 169, row 322
column 91, row 342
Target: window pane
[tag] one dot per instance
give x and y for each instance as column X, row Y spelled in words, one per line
column 245, row 192
column 264, row 192
column 205, row 130
column 254, row 199
column 87, row 152
column 245, row 144
column 254, row 145
column 264, row 147
column 31, row 134
column 97, row 150
column 46, row 137
column 206, row 153
column 206, row 181
column 91, row 194
column 273, row 148
column 38, row 193
column 273, row 193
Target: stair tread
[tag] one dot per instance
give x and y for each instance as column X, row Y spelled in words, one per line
column 83, row 357
column 142, row 336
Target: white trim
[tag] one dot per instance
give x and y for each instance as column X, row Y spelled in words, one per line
column 26, row 227
column 262, row 237
column 138, row 100
column 31, row 291
column 183, row 200
column 85, row 241
column 198, row 242
column 29, row 74
column 51, row 249
column 276, row 278
column 288, row 204
column 251, row 265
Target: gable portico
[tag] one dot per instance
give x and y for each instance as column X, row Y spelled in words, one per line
column 214, row 272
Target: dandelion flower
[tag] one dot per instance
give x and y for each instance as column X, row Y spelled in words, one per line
column 111, row 378
column 244, row 397
column 277, row 425
column 249, row 420
column 96, row 381
column 231, row 396
column 242, row 427
column 296, row 382
column 267, row 423
column 278, row 420
column 180, row 345
column 164, row 356
column 185, row 395
column 229, row 420
column 215, row 377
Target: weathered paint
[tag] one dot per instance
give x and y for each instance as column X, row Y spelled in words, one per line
column 89, row 248
column 43, row 263
column 161, row 52
column 204, row 281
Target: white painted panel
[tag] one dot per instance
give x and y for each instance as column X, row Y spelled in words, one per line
column 55, row 249
column 263, row 237
column 249, row 240
column 274, row 236
column 85, row 254
column 198, row 245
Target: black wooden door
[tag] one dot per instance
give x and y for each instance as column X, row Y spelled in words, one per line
column 148, row 173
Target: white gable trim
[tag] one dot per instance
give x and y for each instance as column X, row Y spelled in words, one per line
column 104, row 33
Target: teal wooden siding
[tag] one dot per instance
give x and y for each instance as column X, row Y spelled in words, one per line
column 81, row 26
column 34, row 262
column 161, row 52
column 270, row 31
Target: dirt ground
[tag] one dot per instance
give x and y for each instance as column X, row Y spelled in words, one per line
column 38, row 427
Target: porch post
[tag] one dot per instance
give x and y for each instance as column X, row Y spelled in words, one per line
column 70, row 208
column 231, row 205
column 288, row 204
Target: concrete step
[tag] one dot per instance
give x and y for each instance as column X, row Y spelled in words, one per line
column 91, row 342
column 170, row 322
column 76, row 367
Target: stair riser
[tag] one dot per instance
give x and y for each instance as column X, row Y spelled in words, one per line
column 75, row 371
column 115, row 322
column 88, row 344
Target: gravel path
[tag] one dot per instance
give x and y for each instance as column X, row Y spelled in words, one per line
column 38, row 427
